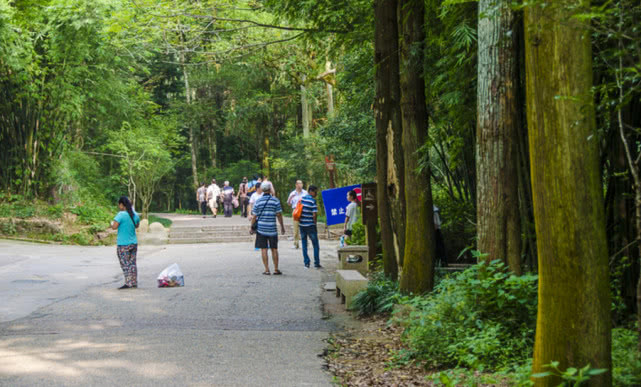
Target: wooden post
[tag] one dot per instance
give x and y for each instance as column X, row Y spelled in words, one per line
column 370, row 217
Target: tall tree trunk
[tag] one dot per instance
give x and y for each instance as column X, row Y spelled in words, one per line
column 497, row 202
column 573, row 322
column 418, row 263
column 192, row 139
column 387, row 114
column 396, row 165
column 330, row 92
column 213, row 151
column 305, row 109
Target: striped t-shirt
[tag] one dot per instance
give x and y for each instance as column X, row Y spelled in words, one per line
column 265, row 209
column 309, row 208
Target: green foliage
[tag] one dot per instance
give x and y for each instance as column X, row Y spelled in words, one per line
column 379, row 297
column 464, row 377
column 233, row 172
column 92, row 213
column 82, row 239
column 482, row 318
column 7, row 228
column 358, row 234
column 571, row 376
column 626, row 359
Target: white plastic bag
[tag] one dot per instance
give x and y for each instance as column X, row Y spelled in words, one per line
column 171, row 277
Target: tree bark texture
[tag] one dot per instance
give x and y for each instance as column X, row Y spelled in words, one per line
column 396, row 166
column 387, row 114
column 497, row 203
column 305, row 109
column 418, row 263
column 573, row 321
column 192, row 138
column 330, row 92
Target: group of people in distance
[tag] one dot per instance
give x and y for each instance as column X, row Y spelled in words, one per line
column 259, row 203
column 212, row 196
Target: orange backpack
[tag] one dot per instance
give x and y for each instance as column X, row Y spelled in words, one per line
column 298, row 211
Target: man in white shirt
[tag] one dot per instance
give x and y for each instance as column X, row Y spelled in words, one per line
column 213, row 192
column 254, row 197
column 292, row 200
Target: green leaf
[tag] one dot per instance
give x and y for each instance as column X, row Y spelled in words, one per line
column 541, row 375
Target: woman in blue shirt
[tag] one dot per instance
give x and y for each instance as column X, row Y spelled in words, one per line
column 126, row 222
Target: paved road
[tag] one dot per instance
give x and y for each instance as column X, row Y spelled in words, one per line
column 63, row 322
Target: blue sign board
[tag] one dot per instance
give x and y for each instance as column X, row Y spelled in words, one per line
column 335, row 203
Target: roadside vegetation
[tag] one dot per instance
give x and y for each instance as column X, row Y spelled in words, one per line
column 475, row 328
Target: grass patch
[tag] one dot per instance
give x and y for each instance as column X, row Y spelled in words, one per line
column 164, row 221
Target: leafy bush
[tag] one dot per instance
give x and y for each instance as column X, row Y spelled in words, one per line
column 358, row 234
column 92, row 213
column 626, row 360
column 481, row 318
column 379, row 297
column 571, row 376
column 81, row 239
column 7, row 227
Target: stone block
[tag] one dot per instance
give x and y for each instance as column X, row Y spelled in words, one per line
column 348, row 283
column 354, row 258
column 156, row 227
column 157, row 235
column 143, row 227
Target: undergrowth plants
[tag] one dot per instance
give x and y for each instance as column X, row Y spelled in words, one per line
column 482, row 318
column 479, row 324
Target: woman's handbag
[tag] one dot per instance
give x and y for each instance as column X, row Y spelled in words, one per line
column 254, row 227
column 235, row 202
column 298, row 211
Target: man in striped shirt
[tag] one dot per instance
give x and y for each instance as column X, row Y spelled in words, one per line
column 308, row 226
column 265, row 212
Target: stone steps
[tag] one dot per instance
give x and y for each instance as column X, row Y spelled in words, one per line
column 239, row 239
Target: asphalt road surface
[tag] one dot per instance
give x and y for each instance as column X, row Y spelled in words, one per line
column 63, row 321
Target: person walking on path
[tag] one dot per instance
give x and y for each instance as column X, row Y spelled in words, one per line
column 213, row 192
column 126, row 221
column 265, row 212
column 255, row 196
column 201, row 197
column 242, row 197
column 292, row 200
column 228, row 199
column 308, row 226
column 351, row 213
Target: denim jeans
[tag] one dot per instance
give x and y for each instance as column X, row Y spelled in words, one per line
column 313, row 236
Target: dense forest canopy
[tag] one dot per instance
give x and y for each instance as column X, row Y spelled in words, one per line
column 521, row 122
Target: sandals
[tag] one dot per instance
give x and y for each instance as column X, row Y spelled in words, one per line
column 267, row 273
column 277, row 272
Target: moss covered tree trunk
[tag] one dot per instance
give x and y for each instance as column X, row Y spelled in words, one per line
column 418, row 262
column 396, row 175
column 388, row 116
column 573, row 322
column 497, row 204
